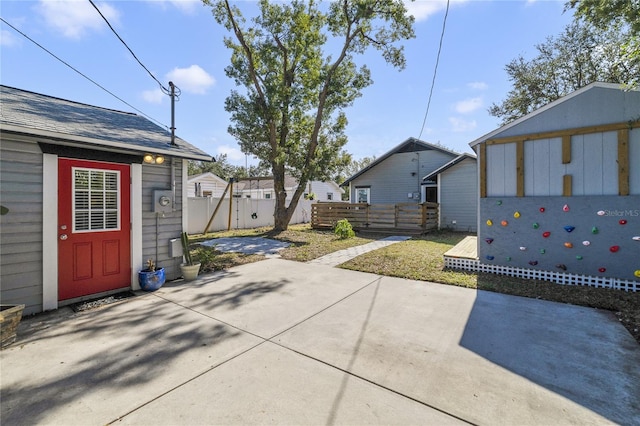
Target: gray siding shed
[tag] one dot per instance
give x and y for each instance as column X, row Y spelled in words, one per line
column 458, row 196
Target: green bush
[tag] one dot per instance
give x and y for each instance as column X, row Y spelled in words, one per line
column 343, row 229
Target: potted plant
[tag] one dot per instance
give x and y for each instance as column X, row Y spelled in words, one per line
column 151, row 278
column 189, row 268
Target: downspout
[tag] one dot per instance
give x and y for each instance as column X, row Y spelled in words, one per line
column 173, row 183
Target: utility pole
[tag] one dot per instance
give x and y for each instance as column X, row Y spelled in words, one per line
column 173, row 113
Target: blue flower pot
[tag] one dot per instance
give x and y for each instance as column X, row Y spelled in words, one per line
column 151, row 280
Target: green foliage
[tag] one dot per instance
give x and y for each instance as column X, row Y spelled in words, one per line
column 343, row 229
column 223, row 169
column 295, row 71
column 581, row 55
column 151, row 265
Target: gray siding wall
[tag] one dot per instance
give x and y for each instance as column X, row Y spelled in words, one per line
column 394, row 178
column 21, row 228
column 596, row 106
column 459, row 196
column 158, row 228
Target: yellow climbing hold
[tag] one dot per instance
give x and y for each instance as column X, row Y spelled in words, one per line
column 489, row 222
column 516, row 215
column 637, row 273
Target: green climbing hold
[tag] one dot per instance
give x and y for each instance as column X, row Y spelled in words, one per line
column 594, row 230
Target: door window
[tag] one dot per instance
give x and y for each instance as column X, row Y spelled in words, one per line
column 96, row 200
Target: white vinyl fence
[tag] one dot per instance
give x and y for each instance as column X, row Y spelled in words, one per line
column 243, row 210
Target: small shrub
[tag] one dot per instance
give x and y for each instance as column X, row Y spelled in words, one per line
column 343, row 229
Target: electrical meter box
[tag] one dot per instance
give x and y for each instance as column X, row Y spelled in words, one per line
column 162, row 202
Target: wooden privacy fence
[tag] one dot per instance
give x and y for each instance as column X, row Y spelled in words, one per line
column 397, row 217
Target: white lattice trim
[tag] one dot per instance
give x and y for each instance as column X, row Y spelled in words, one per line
column 536, row 274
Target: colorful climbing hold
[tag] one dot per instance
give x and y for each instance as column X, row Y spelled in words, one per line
column 504, row 223
column 523, row 248
column 546, row 234
column 508, row 258
column 586, row 243
column 533, row 262
column 568, row 245
column 601, row 213
column 622, row 221
column 602, row 269
column 541, row 209
column 489, row 222
column 561, row 266
column 579, row 257
column 565, row 208
column 636, row 238
column 490, row 258
column 594, row 230
column 569, row 228
column 637, row 273
column 614, row 249
column 535, row 225
column 542, row 251
column 499, row 202
column 516, row 215
column 489, row 240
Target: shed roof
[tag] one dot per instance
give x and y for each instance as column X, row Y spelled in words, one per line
column 409, row 145
column 447, row 166
column 206, row 175
column 66, row 122
column 595, row 104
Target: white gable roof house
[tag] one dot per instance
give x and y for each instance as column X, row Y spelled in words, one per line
column 91, row 193
column 206, row 185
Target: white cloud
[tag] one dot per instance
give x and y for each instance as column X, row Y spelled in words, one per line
column 74, row 18
column 460, row 125
column 468, row 105
column 154, row 96
column 7, row 39
column 422, row 9
column 478, row 85
column 193, row 79
column 234, row 155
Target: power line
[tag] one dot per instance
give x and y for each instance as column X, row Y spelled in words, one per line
column 164, row 89
column 79, row 72
column 435, row 70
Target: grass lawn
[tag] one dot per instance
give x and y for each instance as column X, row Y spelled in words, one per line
column 421, row 259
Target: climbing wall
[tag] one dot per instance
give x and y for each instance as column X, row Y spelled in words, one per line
column 594, row 235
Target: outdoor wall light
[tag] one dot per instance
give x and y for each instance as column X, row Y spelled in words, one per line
column 153, row 159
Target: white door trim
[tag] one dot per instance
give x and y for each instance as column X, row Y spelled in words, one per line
column 49, row 232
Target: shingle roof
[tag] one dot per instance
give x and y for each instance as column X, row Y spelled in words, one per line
column 63, row 121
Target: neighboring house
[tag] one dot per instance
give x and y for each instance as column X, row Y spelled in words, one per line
column 457, row 189
column 397, row 176
column 206, row 185
column 262, row 188
column 92, row 193
column 560, row 191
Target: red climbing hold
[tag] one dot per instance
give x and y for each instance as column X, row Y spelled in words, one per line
column 614, row 249
column 546, row 234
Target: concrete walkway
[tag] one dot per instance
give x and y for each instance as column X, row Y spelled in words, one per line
column 341, row 256
column 282, row 342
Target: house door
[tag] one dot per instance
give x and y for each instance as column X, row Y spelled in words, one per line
column 94, row 212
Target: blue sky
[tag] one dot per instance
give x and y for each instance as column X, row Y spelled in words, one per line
column 180, row 41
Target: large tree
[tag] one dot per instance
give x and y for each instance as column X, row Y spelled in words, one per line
column 295, row 69
column 580, row 55
column 614, row 13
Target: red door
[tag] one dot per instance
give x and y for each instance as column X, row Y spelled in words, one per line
column 93, row 227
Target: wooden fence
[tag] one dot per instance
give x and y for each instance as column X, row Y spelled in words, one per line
column 405, row 217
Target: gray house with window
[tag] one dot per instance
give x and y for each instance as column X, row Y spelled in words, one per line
column 397, row 176
column 91, row 193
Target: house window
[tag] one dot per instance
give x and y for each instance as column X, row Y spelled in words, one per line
column 267, row 195
column 207, row 193
column 363, row 195
column 96, row 200
column 329, row 196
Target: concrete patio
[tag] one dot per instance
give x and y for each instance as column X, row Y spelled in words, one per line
column 281, row 342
